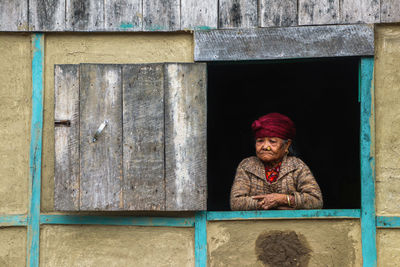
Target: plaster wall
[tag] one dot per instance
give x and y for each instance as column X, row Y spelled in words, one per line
column 332, row 242
column 13, row 246
column 15, row 106
column 99, row 48
column 388, row 247
column 116, row 246
column 387, row 101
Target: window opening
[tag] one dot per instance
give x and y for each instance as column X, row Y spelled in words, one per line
column 320, row 96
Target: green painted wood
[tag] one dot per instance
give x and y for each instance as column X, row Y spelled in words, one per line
column 200, row 239
column 387, row 222
column 367, row 156
column 35, row 152
column 117, row 220
column 13, row 220
column 281, row 214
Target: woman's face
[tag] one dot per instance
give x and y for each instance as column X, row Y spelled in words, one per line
column 270, row 149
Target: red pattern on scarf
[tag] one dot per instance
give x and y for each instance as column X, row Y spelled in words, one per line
column 271, row 174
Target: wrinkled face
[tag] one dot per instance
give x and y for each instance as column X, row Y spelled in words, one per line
column 271, row 149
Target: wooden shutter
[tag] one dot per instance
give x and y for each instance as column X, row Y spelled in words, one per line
column 151, row 155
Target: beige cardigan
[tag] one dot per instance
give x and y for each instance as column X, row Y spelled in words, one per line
column 295, row 178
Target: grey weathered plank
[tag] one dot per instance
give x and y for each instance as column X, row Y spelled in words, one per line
column 84, row 15
column 278, row 13
column 66, row 168
column 185, row 136
column 237, row 14
column 143, row 137
column 359, row 11
column 101, row 172
column 161, row 15
column 123, row 15
column 47, row 15
column 281, row 43
column 313, row 12
column 199, row 15
column 13, row 15
column 390, row 11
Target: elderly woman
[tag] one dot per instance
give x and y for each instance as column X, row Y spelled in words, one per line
column 273, row 179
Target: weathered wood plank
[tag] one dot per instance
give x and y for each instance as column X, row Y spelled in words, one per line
column 66, row 138
column 313, row 12
column 101, row 173
column 47, row 15
column 143, row 137
column 13, row 15
column 185, row 136
column 390, row 11
column 237, row 14
column 161, row 15
column 359, row 11
column 199, row 15
column 123, row 15
column 281, row 43
column 278, row 13
column 84, row 15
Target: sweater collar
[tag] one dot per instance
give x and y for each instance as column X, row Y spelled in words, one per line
column 256, row 167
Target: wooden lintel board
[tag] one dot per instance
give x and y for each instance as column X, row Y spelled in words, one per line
column 84, row 15
column 185, row 136
column 47, row 15
column 123, row 15
column 14, row 15
column 143, row 137
column 284, row 43
column 101, row 173
column 66, row 146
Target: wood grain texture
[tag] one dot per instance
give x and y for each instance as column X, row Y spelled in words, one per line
column 101, row 173
column 143, row 137
column 314, row 12
column 47, row 15
column 13, row 15
column 390, row 10
column 84, row 15
column 199, row 15
column 237, row 14
column 66, row 152
column 359, row 11
column 281, row 43
column 123, row 15
column 185, row 136
column 278, row 13
column 161, row 15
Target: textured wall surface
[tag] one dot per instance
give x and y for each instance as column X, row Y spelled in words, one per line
column 388, row 247
column 99, row 48
column 12, row 246
column 15, row 106
column 332, row 242
column 387, row 101
column 116, row 246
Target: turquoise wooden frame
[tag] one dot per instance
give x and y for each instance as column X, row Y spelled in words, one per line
column 369, row 222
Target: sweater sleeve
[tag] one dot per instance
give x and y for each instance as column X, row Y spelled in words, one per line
column 308, row 195
column 240, row 192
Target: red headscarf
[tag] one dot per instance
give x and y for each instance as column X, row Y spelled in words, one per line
column 274, row 125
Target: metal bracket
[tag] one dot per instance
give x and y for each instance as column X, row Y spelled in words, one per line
column 99, row 130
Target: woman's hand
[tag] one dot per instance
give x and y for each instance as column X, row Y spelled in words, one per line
column 270, row 201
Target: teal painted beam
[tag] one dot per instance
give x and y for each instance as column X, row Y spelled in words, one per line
column 13, row 220
column 200, row 239
column 387, row 222
column 281, row 214
column 367, row 157
column 35, row 152
column 117, row 220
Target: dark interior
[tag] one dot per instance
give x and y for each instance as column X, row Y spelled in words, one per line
column 320, row 96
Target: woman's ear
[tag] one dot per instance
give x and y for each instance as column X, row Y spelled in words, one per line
column 288, row 144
